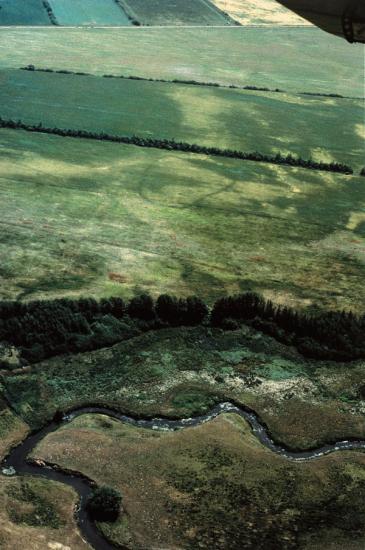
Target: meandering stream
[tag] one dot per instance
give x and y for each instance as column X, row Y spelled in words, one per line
column 17, row 458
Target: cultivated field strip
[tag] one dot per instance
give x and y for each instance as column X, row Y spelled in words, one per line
column 100, row 218
column 89, row 12
column 18, row 12
column 226, row 55
column 167, row 12
column 114, row 13
column 241, row 120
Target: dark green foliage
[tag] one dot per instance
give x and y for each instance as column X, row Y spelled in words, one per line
column 50, row 13
column 172, row 145
column 104, row 504
column 362, row 173
column 142, row 307
column 43, row 329
column 337, row 336
column 176, row 312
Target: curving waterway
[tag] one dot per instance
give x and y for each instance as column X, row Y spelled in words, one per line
column 17, row 460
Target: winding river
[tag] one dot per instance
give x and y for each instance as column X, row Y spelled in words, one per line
column 17, row 462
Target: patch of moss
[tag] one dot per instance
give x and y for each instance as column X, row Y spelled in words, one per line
column 41, row 513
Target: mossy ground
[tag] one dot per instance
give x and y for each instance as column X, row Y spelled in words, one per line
column 180, row 372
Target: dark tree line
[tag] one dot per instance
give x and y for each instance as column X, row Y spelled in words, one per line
column 337, row 336
column 172, row 145
column 188, row 82
column 50, row 13
column 125, row 11
column 42, row 329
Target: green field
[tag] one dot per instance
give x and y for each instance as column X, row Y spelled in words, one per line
column 18, row 12
column 243, row 120
column 177, row 12
column 90, row 12
column 101, row 219
column 290, row 59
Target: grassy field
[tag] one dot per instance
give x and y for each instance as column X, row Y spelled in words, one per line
column 214, row 486
column 165, row 12
column 81, row 217
column 182, row 372
column 291, row 59
column 92, row 12
column 259, row 12
column 305, row 126
column 18, row 12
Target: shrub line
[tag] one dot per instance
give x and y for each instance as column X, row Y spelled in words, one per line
column 187, row 82
column 181, row 146
column 47, row 6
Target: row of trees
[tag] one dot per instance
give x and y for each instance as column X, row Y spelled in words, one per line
column 42, row 329
column 50, row 13
column 188, row 82
column 124, row 9
column 45, row 328
column 337, row 336
column 172, row 145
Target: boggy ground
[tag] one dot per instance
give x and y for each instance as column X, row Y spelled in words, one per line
column 181, row 372
column 213, row 485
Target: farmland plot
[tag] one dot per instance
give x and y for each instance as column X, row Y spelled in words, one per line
column 82, row 217
column 259, row 12
column 227, row 55
column 175, row 12
column 237, row 119
column 89, row 12
column 23, row 12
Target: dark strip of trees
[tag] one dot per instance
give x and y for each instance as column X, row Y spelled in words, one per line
column 188, row 82
column 124, row 9
column 172, row 145
column 42, row 329
column 337, row 336
column 50, row 13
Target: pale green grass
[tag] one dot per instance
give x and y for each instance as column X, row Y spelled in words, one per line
column 234, row 119
column 89, row 12
column 18, row 12
column 291, row 59
column 75, row 212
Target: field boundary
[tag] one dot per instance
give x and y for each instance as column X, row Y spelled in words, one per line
column 47, row 6
column 132, row 16
column 172, row 145
column 248, row 87
column 136, row 21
